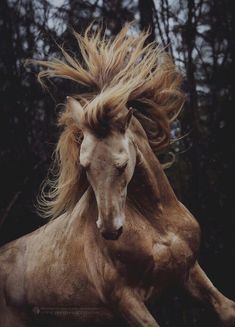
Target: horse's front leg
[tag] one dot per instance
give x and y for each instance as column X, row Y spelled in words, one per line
column 201, row 288
column 132, row 309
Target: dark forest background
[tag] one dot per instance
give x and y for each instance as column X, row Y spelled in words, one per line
column 198, row 34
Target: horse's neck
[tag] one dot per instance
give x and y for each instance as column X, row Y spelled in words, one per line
column 166, row 193
column 149, row 189
column 86, row 205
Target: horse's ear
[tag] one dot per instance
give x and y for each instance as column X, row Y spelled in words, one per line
column 75, row 108
column 127, row 118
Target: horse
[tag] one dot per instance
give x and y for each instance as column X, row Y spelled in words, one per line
column 118, row 236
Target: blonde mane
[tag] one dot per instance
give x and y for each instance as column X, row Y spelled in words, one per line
column 120, row 72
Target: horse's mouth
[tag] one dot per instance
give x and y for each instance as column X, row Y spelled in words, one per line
column 112, row 236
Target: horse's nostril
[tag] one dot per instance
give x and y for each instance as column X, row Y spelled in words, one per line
column 119, row 231
column 112, row 235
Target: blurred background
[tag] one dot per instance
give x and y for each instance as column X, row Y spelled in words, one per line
column 198, row 35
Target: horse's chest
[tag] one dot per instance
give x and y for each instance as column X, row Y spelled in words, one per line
column 169, row 256
column 172, row 256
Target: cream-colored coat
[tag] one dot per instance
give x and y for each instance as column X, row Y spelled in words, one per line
column 66, row 267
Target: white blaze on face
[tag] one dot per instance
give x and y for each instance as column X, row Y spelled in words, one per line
column 109, row 165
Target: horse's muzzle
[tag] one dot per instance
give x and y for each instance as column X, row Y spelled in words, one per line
column 112, row 236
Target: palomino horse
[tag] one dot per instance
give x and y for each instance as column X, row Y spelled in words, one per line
column 120, row 236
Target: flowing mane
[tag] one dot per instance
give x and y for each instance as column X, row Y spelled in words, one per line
column 119, row 72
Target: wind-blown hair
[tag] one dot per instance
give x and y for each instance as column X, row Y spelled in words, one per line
column 120, row 72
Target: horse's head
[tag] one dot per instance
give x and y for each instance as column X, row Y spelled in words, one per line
column 109, row 161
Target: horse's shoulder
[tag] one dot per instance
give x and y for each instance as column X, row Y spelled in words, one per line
column 12, row 271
